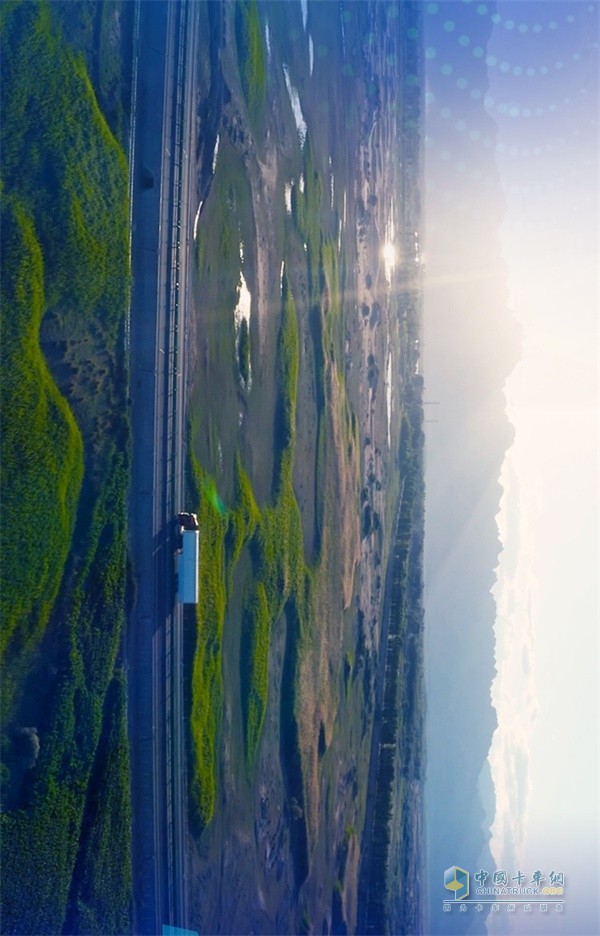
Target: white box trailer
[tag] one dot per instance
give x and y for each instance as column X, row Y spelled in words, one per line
column 188, row 557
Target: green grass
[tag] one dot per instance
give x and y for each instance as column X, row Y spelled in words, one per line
column 277, row 546
column 96, row 30
column 273, row 534
column 243, row 518
column 287, row 380
column 41, row 450
column 207, row 688
column 254, row 669
column 306, row 212
column 41, row 839
column 101, row 894
column 65, row 237
column 65, row 230
column 329, row 260
column 218, row 258
column 52, row 125
column 111, row 68
column 325, row 275
column 279, row 574
column 251, row 57
column 274, row 537
column 333, row 319
column 279, row 577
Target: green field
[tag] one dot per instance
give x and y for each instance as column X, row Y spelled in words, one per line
column 252, row 57
column 207, row 686
column 274, row 538
column 65, row 457
column 306, row 211
column 100, row 899
column 279, row 575
column 41, row 448
column 254, row 669
column 300, row 477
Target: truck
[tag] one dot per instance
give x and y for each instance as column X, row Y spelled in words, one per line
column 188, row 545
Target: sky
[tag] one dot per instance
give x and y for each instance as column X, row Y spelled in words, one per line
column 542, row 81
column 546, row 691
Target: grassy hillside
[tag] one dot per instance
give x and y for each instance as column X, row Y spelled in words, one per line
column 41, row 453
column 99, row 902
column 65, row 462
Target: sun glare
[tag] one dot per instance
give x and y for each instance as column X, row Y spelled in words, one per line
column 389, row 254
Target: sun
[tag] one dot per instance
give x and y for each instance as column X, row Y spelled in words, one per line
column 388, row 253
column 389, row 257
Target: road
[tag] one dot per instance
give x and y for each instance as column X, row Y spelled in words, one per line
column 162, row 125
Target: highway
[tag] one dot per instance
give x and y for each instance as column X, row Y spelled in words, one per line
column 162, row 128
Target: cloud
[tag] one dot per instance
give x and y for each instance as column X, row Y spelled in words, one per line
column 513, row 688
